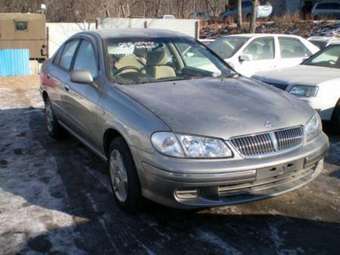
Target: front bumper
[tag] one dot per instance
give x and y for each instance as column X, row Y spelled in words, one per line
column 184, row 183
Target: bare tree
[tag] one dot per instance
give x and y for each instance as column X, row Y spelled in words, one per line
column 253, row 17
column 89, row 10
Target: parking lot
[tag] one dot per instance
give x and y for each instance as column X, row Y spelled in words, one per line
column 55, row 199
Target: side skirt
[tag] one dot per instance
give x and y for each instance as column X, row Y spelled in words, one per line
column 83, row 141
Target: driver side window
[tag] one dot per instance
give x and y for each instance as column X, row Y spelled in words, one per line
column 261, row 49
column 86, row 59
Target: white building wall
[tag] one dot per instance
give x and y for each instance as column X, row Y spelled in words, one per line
column 59, row 32
column 185, row 26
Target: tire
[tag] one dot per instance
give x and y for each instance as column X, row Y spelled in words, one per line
column 336, row 118
column 53, row 127
column 123, row 175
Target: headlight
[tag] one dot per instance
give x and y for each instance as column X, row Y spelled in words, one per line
column 304, row 91
column 177, row 145
column 167, row 143
column 313, row 128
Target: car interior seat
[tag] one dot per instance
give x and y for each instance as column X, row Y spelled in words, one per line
column 141, row 54
column 157, row 64
column 129, row 61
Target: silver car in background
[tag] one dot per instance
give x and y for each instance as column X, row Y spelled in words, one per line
column 175, row 124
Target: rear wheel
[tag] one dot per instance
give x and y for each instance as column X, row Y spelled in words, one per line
column 123, row 174
column 53, row 127
column 336, row 118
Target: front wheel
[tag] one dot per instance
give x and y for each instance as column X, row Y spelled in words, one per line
column 123, row 174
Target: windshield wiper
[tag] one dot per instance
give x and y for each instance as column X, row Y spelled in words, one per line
column 171, row 79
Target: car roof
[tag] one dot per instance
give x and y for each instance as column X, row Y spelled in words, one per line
column 134, row 32
column 259, row 35
column 321, row 38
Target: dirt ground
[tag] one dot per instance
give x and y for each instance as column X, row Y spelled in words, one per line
column 55, row 199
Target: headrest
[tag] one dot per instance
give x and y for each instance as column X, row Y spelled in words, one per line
column 129, row 60
column 157, row 57
column 140, row 52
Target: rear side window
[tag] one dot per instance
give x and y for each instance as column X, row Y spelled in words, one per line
column 86, row 58
column 67, row 55
column 321, row 6
column 293, row 48
column 328, row 6
column 335, row 6
column 57, row 56
column 261, row 48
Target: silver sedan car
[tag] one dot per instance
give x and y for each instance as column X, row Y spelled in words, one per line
column 175, row 123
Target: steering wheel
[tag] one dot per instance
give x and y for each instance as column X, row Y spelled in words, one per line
column 124, row 68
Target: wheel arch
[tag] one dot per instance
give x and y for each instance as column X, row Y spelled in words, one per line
column 109, row 135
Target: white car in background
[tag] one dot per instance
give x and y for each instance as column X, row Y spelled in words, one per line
column 249, row 54
column 316, row 81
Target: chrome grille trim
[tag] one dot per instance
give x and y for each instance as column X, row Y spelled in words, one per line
column 270, row 143
column 289, row 138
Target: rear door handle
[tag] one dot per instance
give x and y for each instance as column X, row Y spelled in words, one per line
column 67, row 88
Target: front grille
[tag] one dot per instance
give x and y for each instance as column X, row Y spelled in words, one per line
column 289, row 138
column 259, row 145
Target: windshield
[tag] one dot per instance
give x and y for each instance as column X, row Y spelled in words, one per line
column 226, row 47
column 330, row 57
column 145, row 60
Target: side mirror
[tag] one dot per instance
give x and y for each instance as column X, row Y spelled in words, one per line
column 243, row 58
column 81, row 76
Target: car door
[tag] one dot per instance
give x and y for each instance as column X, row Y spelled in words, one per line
column 292, row 51
column 83, row 97
column 257, row 56
column 57, row 76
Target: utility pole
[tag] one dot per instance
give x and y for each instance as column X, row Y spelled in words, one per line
column 239, row 14
column 253, row 17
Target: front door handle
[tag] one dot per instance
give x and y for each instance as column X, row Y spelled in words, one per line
column 67, row 88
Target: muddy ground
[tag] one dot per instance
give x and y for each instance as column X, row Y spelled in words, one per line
column 55, row 199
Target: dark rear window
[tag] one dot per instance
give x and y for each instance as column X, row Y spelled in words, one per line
column 328, row 6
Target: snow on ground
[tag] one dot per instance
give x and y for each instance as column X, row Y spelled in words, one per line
column 55, row 198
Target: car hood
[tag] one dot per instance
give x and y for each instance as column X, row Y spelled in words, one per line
column 216, row 108
column 302, row 74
